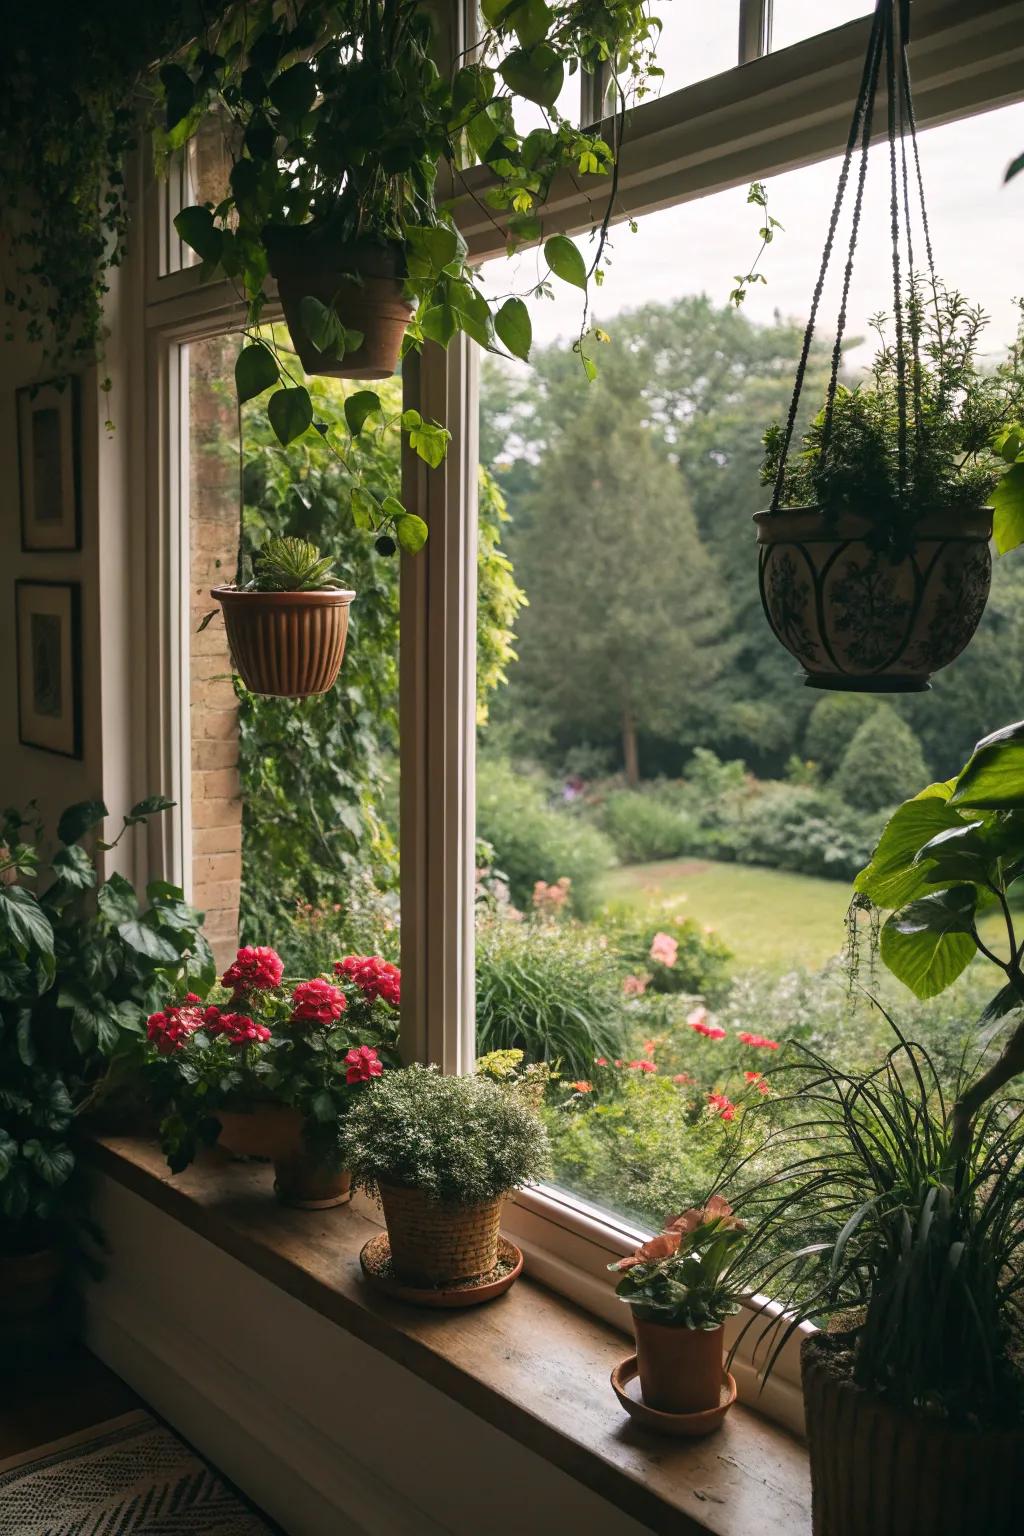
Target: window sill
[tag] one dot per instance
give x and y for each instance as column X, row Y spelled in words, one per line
column 532, row 1365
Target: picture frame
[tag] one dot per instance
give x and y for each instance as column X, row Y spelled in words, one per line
column 49, row 465
column 48, row 624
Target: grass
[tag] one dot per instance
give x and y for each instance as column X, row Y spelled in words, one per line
column 769, row 918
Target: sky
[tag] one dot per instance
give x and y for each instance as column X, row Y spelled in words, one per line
column 976, row 222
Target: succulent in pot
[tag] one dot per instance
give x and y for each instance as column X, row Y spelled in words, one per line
column 287, row 626
column 681, row 1286
column 270, row 1067
column 874, row 563
column 442, row 1153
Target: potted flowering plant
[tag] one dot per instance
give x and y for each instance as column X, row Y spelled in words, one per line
column 442, row 1153
column 271, row 1068
column 287, row 626
column 680, row 1287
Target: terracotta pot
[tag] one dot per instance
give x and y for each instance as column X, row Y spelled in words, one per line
column 680, row 1368
column 433, row 1243
column 305, row 1182
column 882, row 1471
column 28, row 1283
column 361, row 282
column 274, row 1132
column 858, row 619
column 289, row 644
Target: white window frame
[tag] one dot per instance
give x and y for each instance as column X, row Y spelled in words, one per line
column 772, row 113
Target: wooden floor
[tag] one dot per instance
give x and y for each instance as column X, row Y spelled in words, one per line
column 57, row 1399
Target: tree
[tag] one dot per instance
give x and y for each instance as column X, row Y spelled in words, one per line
column 883, row 765
column 626, row 629
column 832, row 725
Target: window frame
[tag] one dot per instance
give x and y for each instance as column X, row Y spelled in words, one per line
column 773, row 112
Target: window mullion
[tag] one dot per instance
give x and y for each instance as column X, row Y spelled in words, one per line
column 755, row 38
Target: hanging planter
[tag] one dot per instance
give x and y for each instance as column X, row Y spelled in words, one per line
column 874, row 557
column 287, row 628
column 344, row 305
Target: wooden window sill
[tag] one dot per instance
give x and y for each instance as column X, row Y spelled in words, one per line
column 531, row 1364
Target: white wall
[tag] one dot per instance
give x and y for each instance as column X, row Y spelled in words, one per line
column 327, row 1435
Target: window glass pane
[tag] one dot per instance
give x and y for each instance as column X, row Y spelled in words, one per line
column 667, row 832
column 793, row 20
column 697, row 40
column 294, row 802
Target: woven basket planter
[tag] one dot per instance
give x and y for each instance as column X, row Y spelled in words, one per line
column 880, row 1471
column 857, row 619
column 433, row 1243
column 289, row 644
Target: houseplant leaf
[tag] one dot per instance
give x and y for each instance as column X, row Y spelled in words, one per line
column 565, row 261
column 514, row 328
column 79, row 819
column 1008, row 505
column 358, row 407
column 993, row 779
column 290, row 412
column 893, row 876
column 26, row 922
column 196, row 227
column 255, row 370
column 929, row 942
column 537, row 73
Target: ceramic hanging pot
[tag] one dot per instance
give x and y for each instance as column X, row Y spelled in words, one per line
column 289, row 644
column 867, row 620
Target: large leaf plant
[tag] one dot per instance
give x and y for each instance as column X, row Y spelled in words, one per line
column 82, row 964
column 339, row 120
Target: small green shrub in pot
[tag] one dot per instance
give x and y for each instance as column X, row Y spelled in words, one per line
column 443, row 1152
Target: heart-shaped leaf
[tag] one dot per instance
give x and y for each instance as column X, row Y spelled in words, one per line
column 80, row 818
column 537, row 74
column 196, row 227
column 321, row 325
column 929, row 942
column 290, row 412
column 994, row 778
column 358, row 407
column 255, row 370
column 565, row 261
column 514, row 327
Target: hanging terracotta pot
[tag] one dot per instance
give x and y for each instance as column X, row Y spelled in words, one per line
column 274, row 1132
column 289, row 644
column 680, row 1368
column 881, row 1471
column 361, row 282
column 434, row 1242
column 873, row 622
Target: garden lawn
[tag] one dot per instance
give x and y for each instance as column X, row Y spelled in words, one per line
column 769, row 918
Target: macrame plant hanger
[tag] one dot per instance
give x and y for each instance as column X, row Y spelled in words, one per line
column 887, row 47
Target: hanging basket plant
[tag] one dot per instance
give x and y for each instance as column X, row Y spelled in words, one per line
column 874, row 554
column 287, row 627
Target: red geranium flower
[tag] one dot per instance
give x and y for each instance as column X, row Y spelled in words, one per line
column 317, row 1002
column 712, row 1031
column 722, row 1105
column 362, row 1063
column 238, row 1028
column 255, row 969
column 600, row 1061
column 682, row 1077
column 373, row 976
column 169, row 1029
column 642, row 1066
column 758, row 1040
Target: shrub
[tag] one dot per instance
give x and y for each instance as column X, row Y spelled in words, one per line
column 310, row 938
column 533, row 840
column 550, row 990
column 832, row 725
column 883, row 763
column 672, row 954
column 790, row 826
column 644, row 826
column 460, row 1139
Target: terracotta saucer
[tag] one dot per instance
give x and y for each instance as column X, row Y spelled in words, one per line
column 375, row 1259
column 626, row 1386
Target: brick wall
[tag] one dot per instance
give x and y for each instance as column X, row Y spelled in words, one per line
column 216, row 796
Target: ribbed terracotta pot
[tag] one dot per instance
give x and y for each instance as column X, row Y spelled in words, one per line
column 680, row 1368
column 361, row 282
column 858, row 619
column 289, row 644
column 28, row 1283
column 881, row 1471
column 433, row 1243
column 274, row 1132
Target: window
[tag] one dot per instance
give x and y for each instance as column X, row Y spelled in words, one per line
column 794, row 20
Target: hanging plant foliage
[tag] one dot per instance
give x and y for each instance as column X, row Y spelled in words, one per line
column 874, row 553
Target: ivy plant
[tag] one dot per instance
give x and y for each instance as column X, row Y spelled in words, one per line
column 946, row 858
column 340, row 121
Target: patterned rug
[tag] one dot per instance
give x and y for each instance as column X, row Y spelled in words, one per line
column 126, row 1477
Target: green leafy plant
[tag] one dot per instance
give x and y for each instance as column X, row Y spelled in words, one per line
column 462, row 1140
column 969, row 429
column 81, row 965
column 686, row 1276
column 338, row 118
column 286, row 564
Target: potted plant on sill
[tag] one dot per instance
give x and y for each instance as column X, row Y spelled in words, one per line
column 873, row 576
column 81, row 962
column 287, row 626
column 680, row 1287
column 270, row 1068
column 442, row 1153
column 919, row 1242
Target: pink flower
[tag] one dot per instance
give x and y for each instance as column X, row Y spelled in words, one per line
column 600, row 1061
column 650, row 1046
column 317, row 1002
column 711, row 1031
column 255, row 969
column 758, row 1081
column 723, row 1106
column 642, row 1066
column 697, row 1015
column 239, row 1029
column 362, row 1064
column 634, row 986
column 551, row 898
column 682, row 1077
column 652, row 1252
column 664, row 949
column 758, row 1040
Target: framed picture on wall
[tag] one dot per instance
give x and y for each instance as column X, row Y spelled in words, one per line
column 48, row 619
column 49, row 465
